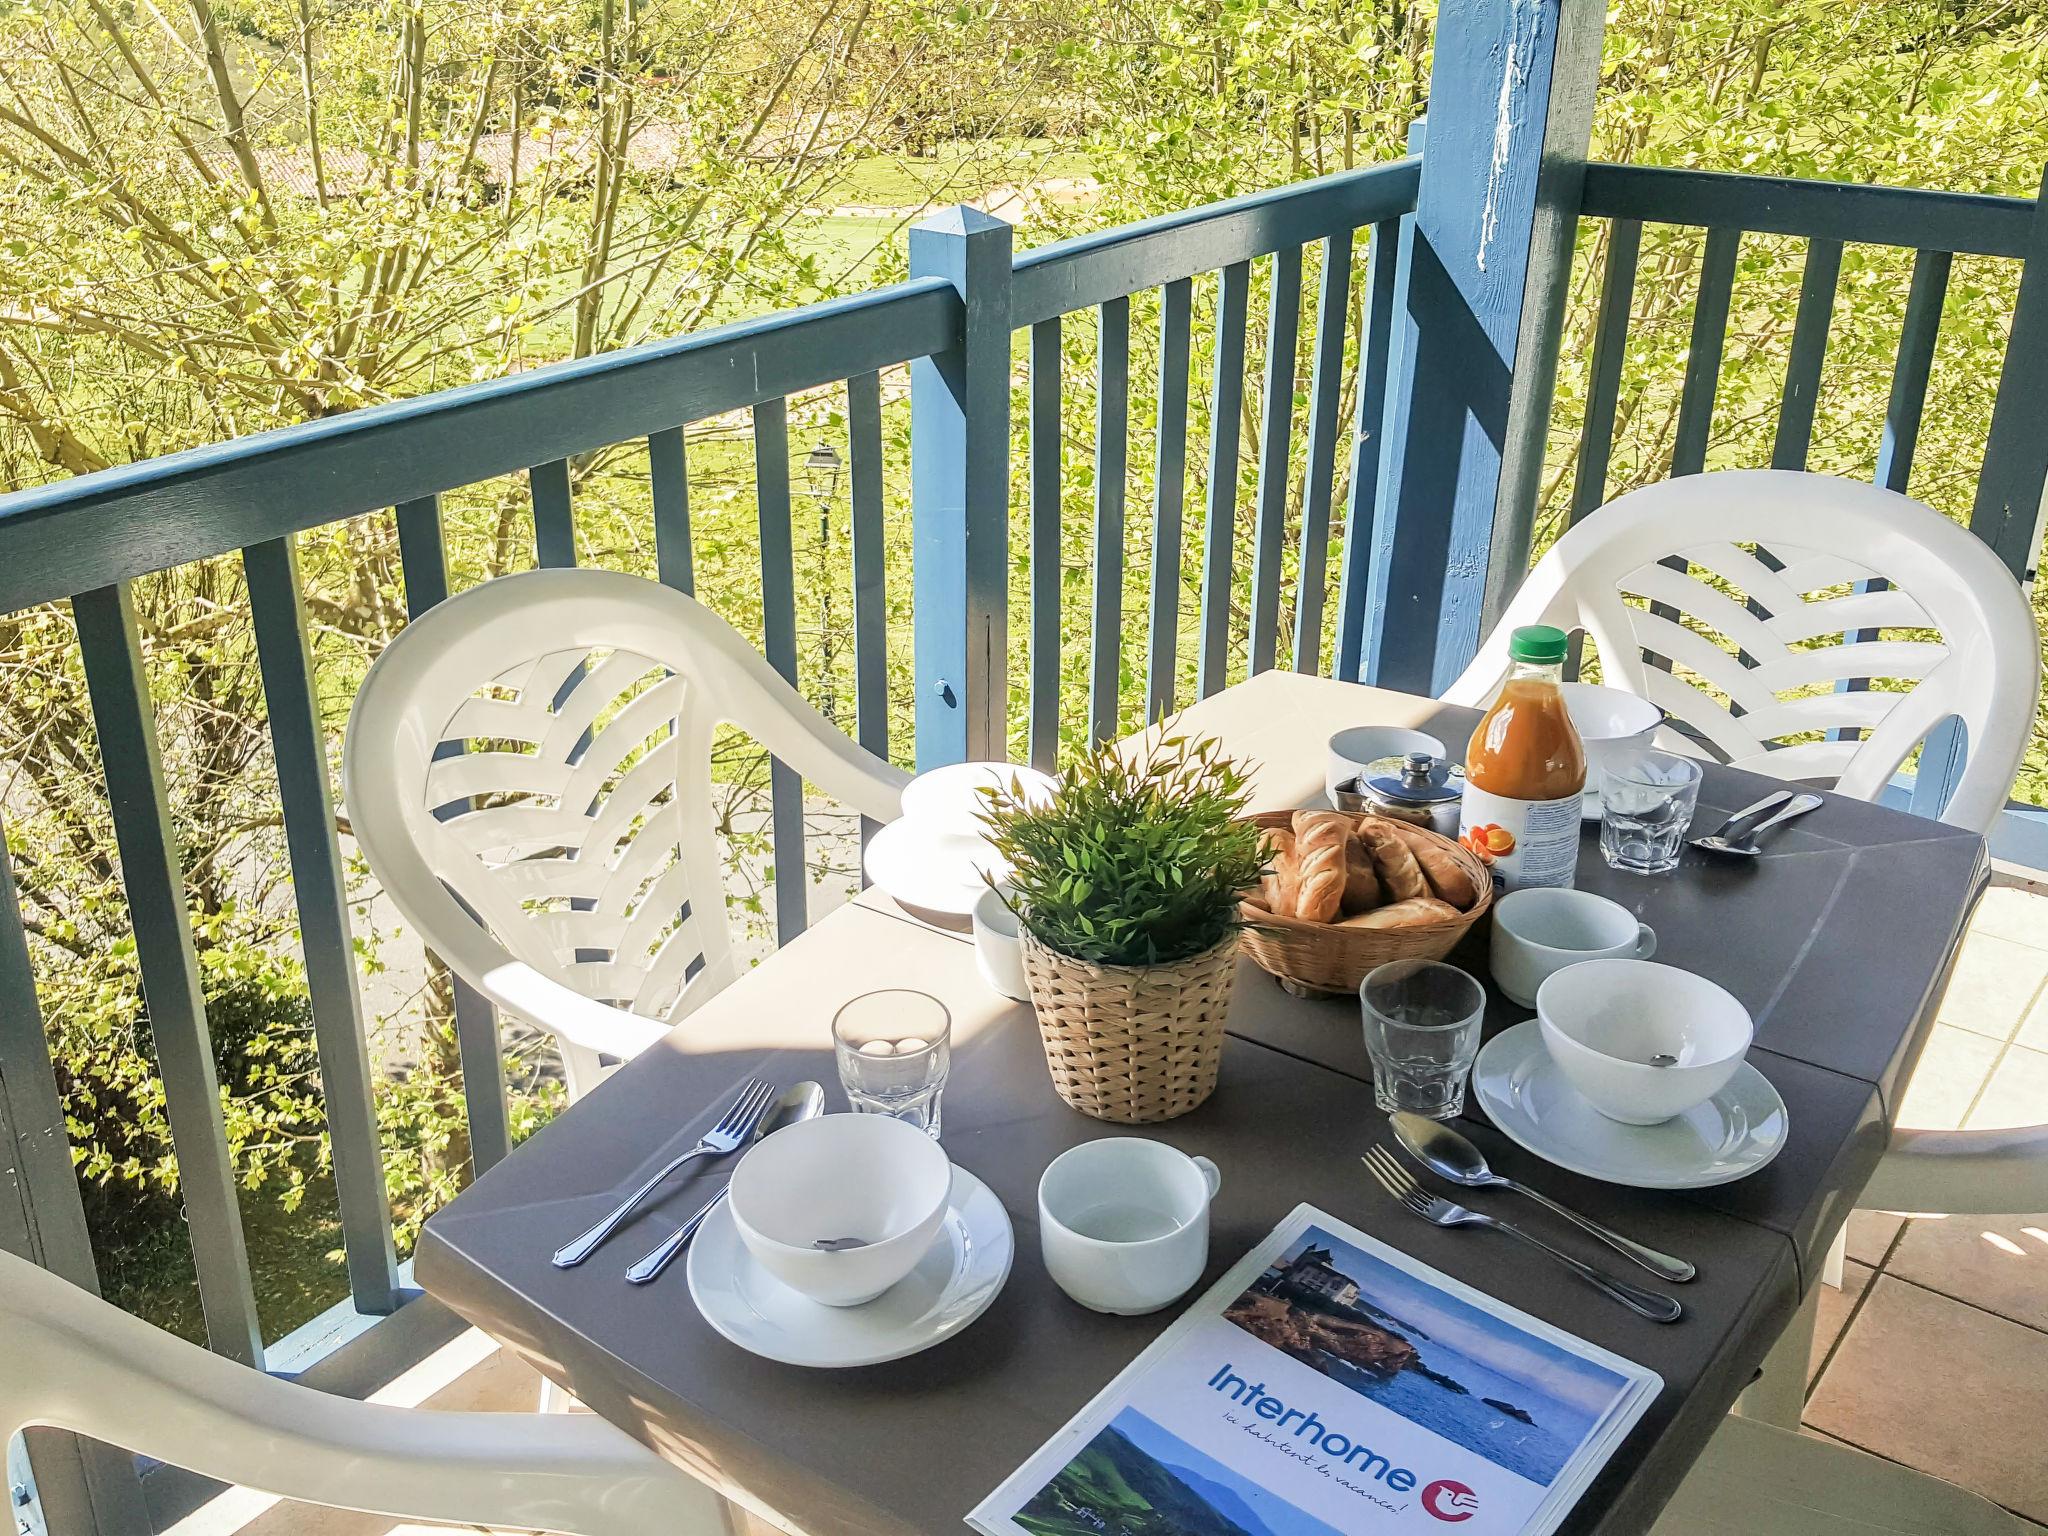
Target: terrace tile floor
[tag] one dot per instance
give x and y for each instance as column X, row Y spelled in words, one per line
column 1956, row 1307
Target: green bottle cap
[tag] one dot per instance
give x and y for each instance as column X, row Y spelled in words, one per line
column 1541, row 644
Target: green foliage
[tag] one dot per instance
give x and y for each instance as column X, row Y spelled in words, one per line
column 1135, row 859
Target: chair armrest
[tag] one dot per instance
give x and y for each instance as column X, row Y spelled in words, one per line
column 524, row 992
column 1963, row 1173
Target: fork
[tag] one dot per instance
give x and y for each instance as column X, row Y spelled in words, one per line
column 729, row 1135
column 1399, row 1183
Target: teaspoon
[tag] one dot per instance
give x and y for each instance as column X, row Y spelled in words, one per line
column 1744, row 843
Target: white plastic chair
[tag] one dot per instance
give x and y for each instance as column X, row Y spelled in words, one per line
column 1758, row 1480
column 77, row 1363
column 1953, row 623
column 527, row 770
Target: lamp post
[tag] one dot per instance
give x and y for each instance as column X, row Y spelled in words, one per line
column 821, row 470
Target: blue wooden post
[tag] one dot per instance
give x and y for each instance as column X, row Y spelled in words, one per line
column 1468, row 394
column 960, row 495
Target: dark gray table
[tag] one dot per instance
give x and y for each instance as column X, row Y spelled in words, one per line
column 911, row 1446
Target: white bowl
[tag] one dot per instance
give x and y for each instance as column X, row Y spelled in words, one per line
column 1602, row 1021
column 949, row 800
column 1610, row 721
column 1351, row 750
column 850, row 1175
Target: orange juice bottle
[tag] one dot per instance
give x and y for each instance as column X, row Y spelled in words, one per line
column 1524, row 771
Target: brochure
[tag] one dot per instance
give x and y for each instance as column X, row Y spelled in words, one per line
column 1329, row 1385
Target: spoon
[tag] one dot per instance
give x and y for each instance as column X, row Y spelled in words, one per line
column 1447, row 1153
column 805, row 1101
column 1744, row 843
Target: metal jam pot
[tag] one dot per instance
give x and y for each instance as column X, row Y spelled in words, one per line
column 1417, row 788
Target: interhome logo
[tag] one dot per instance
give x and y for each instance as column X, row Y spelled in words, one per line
column 1449, row 1501
column 1444, row 1499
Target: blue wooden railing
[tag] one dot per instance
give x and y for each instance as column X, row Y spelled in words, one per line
column 953, row 323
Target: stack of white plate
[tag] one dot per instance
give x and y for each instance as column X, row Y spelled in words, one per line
column 937, row 855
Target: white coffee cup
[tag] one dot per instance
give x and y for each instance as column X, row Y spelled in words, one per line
column 1607, row 1023
column 998, row 950
column 1541, row 930
column 1352, row 750
column 1123, row 1223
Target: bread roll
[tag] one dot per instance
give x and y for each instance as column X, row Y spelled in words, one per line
column 1392, row 860
column 1278, row 885
column 1413, row 913
column 1320, row 838
column 1440, row 867
column 1361, row 885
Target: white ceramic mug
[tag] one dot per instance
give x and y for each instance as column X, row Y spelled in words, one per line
column 998, row 950
column 1123, row 1223
column 1539, row 931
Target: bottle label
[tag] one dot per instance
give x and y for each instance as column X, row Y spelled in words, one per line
column 1524, row 842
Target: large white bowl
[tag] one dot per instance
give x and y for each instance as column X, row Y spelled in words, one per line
column 851, row 1175
column 1602, row 1021
column 1611, row 722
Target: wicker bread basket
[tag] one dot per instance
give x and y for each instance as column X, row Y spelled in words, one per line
column 1328, row 958
column 1132, row 1044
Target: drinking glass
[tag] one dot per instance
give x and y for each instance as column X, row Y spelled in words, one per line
column 1646, row 803
column 1421, row 1031
column 895, row 1048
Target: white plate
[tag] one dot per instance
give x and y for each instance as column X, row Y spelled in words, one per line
column 952, row 1285
column 1733, row 1134
column 937, row 871
column 948, row 799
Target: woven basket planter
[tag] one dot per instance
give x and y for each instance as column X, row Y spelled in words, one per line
column 1131, row 1044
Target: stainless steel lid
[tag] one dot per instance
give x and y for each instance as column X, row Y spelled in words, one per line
column 1416, row 779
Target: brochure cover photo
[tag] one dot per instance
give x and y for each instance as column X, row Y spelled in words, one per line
column 1329, row 1385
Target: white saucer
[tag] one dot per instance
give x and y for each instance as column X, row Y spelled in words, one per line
column 936, row 870
column 952, row 1285
column 1734, row 1133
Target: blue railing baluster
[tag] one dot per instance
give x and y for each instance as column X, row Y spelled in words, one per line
column 1809, row 352
column 1366, row 433
column 1703, row 354
column 1219, row 528
column 1610, row 346
column 870, row 564
column 554, row 523
column 668, row 479
column 1333, row 310
column 81, row 1485
column 778, row 636
column 423, row 557
column 1910, row 373
column 1276, row 441
column 1047, row 453
column 1112, row 450
column 155, row 884
column 1170, row 478
column 300, row 744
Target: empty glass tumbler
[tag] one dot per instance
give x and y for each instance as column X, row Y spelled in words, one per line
column 895, row 1048
column 1646, row 803
column 1421, row 1030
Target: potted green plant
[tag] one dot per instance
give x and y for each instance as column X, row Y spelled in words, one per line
column 1126, row 884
